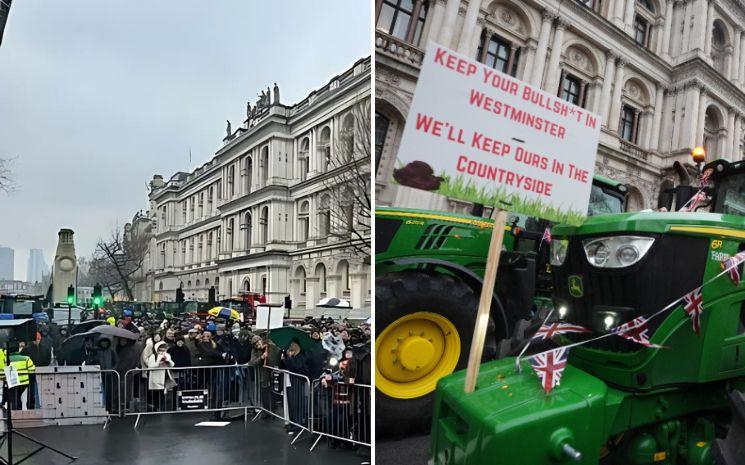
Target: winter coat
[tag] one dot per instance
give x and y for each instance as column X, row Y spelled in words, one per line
column 147, row 351
column 129, row 357
column 300, row 363
column 40, row 353
column 156, row 380
column 180, row 355
column 207, row 354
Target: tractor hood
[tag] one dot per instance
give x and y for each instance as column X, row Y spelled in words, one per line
column 509, row 419
column 698, row 223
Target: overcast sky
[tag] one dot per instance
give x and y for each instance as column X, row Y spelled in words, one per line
column 97, row 96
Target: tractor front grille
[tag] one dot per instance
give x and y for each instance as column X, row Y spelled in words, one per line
column 673, row 267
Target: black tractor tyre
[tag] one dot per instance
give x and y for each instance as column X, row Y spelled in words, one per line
column 401, row 293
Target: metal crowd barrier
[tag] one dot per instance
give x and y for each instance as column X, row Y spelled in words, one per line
column 66, row 395
column 287, row 396
column 342, row 412
column 219, row 388
column 87, row 395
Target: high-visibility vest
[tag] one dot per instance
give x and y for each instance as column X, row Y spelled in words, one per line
column 24, row 365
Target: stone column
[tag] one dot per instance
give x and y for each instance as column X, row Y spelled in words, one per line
column 593, row 98
column 728, row 60
column 448, row 23
column 646, row 122
column 469, row 26
column 615, row 104
column 654, row 143
column 729, row 143
column 700, row 115
column 357, row 289
column 735, row 68
column 618, row 9
column 530, row 50
column 628, row 16
column 540, row 54
column 604, row 108
column 736, row 153
column 553, row 61
column 665, row 43
column 435, row 26
column 685, row 41
column 709, row 15
column 475, row 38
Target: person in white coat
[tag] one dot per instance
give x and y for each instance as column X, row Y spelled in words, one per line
column 159, row 380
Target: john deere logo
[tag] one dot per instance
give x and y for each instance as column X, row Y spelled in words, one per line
column 575, row 286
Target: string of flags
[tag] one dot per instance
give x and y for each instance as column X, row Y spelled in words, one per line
column 549, row 365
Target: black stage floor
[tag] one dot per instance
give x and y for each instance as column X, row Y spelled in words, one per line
column 173, row 439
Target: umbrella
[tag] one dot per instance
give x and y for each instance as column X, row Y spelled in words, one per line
column 87, row 326
column 113, row 331
column 333, row 302
column 224, row 312
column 283, row 336
column 72, row 350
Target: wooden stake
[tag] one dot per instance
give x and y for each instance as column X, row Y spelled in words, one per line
column 487, row 291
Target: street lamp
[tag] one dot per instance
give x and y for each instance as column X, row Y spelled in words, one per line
column 699, row 156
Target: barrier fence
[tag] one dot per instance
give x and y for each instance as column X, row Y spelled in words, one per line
column 89, row 395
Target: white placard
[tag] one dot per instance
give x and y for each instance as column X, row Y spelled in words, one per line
column 263, row 316
column 479, row 135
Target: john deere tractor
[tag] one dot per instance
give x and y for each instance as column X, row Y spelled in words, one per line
column 429, row 269
column 620, row 402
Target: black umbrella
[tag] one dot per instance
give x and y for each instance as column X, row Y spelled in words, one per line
column 113, row 331
column 72, row 350
column 87, row 326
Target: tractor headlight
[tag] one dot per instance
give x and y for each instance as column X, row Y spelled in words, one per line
column 559, row 249
column 616, row 251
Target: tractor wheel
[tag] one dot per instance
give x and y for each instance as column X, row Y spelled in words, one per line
column 424, row 325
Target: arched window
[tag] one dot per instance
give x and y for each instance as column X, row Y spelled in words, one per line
column 300, row 275
column 303, row 221
column 381, row 131
column 321, row 275
column 249, row 173
column 304, row 158
column 217, row 282
column 402, row 18
column 197, row 284
column 188, row 284
column 324, row 216
column 265, row 164
column 247, row 285
column 718, row 45
column 324, row 149
column 209, row 245
column 230, row 288
column 264, row 225
column 498, row 53
column 160, row 286
column 231, row 179
column 206, row 282
column 343, row 272
column 713, row 127
column 347, row 137
column 248, row 226
column 229, row 235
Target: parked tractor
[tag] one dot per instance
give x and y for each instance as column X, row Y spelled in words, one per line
column 620, row 402
column 429, row 269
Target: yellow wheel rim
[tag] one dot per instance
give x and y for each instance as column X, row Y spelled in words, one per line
column 413, row 353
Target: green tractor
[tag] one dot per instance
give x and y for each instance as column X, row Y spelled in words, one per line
column 620, row 402
column 429, row 269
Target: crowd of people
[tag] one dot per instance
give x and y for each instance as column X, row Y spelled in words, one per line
column 338, row 354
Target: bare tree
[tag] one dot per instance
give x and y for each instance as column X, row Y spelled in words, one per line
column 117, row 261
column 7, row 180
column 348, row 200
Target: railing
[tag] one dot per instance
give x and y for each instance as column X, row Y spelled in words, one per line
column 341, row 412
column 634, row 150
column 398, row 49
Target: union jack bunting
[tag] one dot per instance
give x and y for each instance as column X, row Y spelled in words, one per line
column 549, row 366
column 733, row 264
column 695, row 201
column 693, row 304
column 554, row 329
column 547, row 236
column 636, row 330
column 705, row 177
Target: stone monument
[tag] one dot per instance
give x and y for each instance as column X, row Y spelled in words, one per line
column 65, row 269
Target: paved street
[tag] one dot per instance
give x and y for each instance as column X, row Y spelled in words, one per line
column 407, row 451
column 165, row 440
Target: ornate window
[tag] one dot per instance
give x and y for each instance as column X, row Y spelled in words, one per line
column 264, row 224
column 573, row 89
column 321, row 275
column 402, row 18
column 629, row 125
column 641, row 31
column 304, row 158
column 498, row 53
column 303, row 221
column 324, row 149
column 324, row 216
column 595, row 5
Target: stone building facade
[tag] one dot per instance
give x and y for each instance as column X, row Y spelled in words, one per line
column 664, row 75
column 258, row 216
